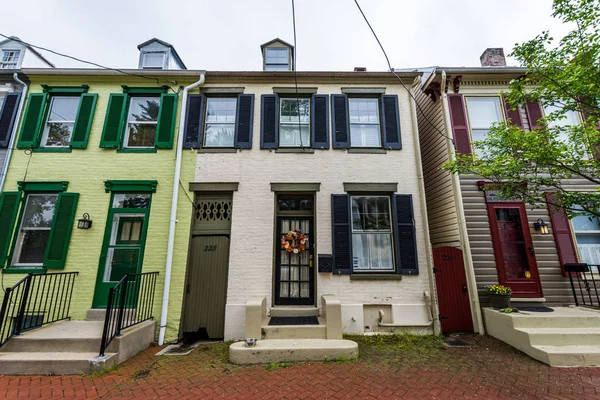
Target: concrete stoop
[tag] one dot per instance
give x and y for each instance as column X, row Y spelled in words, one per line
column 288, row 350
column 567, row 337
column 71, row 347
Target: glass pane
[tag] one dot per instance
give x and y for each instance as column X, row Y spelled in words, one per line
column 285, row 273
column 125, row 231
column 39, row 211
column 121, row 262
column 483, row 111
column 123, row 200
column 360, row 251
column 144, row 109
column 289, row 135
column 284, row 288
column 33, row 246
column 63, row 108
column 586, row 223
column 304, row 273
column 294, row 289
column 295, row 110
column 276, row 55
column 221, row 110
column 220, row 135
column 141, row 135
column 371, row 214
column 294, row 273
column 304, row 290
column 362, row 135
column 381, row 251
column 512, row 243
column 136, row 231
column 277, row 67
column 58, row 134
column 364, row 111
column 154, row 60
column 569, row 118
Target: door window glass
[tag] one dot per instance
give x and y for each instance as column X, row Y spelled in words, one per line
column 124, row 248
column 512, row 243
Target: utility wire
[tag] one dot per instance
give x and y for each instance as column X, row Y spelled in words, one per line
column 84, row 61
column 399, row 79
column 296, row 75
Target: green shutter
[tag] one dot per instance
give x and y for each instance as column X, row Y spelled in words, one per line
column 114, row 121
column 83, row 121
column 166, row 121
column 9, row 206
column 60, row 234
column 32, row 121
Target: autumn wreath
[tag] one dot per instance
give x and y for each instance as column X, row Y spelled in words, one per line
column 294, row 242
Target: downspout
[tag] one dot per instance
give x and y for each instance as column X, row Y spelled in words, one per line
column 462, row 223
column 13, row 135
column 433, row 302
column 173, row 220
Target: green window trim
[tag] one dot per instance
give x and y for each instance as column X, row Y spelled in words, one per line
column 38, row 187
column 15, row 270
column 130, row 186
column 65, row 89
column 52, row 150
column 145, row 90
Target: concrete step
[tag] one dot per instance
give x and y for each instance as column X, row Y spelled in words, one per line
column 294, row 332
column 290, row 350
column 299, row 311
column 53, row 363
column 562, row 317
column 571, row 356
column 563, row 336
column 64, row 336
column 95, row 314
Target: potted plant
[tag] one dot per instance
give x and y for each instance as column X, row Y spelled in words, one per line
column 499, row 295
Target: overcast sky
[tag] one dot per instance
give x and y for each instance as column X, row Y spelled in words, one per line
column 331, row 34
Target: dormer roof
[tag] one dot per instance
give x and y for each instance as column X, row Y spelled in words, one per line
column 277, row 40
column 28, row 48
column 165, row 44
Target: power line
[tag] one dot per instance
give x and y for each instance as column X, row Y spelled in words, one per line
column 399, row 79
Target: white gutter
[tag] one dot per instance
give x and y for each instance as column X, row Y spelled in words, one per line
column 173, row 220
column 462, row 223
column 13, row 134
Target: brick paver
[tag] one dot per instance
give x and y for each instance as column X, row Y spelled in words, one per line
column 487, row 370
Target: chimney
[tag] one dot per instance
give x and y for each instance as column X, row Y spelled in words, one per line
column 360, row 69
column 493, row 57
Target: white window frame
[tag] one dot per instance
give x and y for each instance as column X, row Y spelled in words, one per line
column 128, row 125
column 19, row 243
column 559, row 124
column 378, row 124
column 574, row 237
column 48, row 122
column 371, row 232
column 208, row 99
column 287, row 64
column 164, row 59
column 16, row 62
column 295, row 123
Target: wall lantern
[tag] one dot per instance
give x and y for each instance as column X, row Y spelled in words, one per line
column 541, row 226
column 85, row 222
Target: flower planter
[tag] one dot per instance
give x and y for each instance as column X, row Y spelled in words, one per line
column 499, row 300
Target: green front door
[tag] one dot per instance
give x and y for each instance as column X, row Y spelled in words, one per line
column 124, row 239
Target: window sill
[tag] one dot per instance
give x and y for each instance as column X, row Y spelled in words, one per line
column 153, row 150
column 295, row 150
column 16, row 270
column 375, row 277
column 218, row 150
column 367, row 151
column 52, row 150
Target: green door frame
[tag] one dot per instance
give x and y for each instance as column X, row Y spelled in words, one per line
column 102, row 288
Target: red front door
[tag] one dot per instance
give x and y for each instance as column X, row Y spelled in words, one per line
column 453, row 296
column 513, row 249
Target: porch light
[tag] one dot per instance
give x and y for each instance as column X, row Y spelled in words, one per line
column 85, row 222
column 540, row 226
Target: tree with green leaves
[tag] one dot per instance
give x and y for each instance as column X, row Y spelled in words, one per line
column 564, row 76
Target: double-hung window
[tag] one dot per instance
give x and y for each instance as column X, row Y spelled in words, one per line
column 10, row 59
column 277, row 59
column 569, row 118
column 365, row 129
column 142, row 120
column 372, row 233
column 294, row 122
column 154, row 60
column 482, row 112
column 219, row 130
column 60, row 121
column 587, row 235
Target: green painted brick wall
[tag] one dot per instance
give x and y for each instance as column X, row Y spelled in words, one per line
column 86, row 170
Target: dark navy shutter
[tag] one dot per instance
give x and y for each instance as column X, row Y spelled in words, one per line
column 391, row 122
column 269, row 121
column 340, row 123
column 8, row 116
column 341, row 236
column 244, row 121
column 458, row 119
column 534, row 114
column 406, row 244
column 194, row 116
column 513, row 116
column 319, row 121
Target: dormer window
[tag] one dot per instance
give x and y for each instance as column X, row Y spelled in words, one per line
column 277, row 59
column 154, row 60
column 10, row 59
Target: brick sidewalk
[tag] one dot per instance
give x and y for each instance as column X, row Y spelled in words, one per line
column 487, row 370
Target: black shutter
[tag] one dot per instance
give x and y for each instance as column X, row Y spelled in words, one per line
column 406, row 245
column 244, row 121
column 320, row 121
column 269, row 121
column 192, row 138
column 341, row 236
column 8, row 116
column 391, row 122
column 340, row 124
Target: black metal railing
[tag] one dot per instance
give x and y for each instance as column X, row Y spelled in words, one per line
column 584, row 280
column 36, row 300
column 129, row 303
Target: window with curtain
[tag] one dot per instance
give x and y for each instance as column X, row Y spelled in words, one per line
column 219, row 130
column 294, row 123
column 587, row 235
column 365, row 130
column 372, row 234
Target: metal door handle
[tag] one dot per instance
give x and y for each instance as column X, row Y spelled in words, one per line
column 531, row 250
column 464, row 288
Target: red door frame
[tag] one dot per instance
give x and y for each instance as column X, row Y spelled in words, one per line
column 521, row 287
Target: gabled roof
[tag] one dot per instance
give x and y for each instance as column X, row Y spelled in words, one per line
column 169, row 45
column 262, row 46
column 28, row 47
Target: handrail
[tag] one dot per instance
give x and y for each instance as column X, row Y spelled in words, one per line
column 130, row 302
column 34, row 301
column 586, row 292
